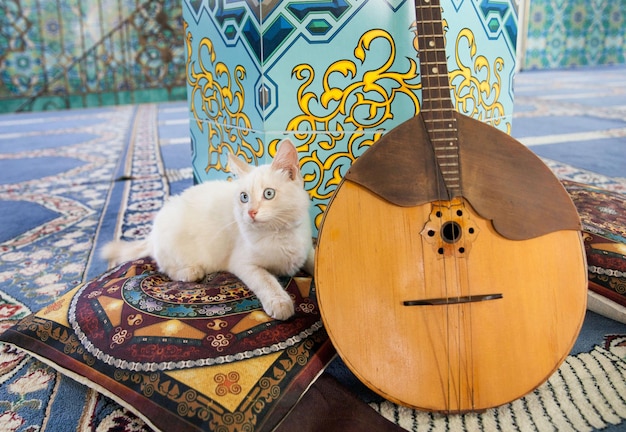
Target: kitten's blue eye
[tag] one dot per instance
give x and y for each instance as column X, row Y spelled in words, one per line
column 269, row 193
column 243, row 197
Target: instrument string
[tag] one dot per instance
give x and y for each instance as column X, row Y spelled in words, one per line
column 438, row 102
column 428, row 110
column 443, row 133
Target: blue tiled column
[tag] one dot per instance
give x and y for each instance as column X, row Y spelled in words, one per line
column 332, row 76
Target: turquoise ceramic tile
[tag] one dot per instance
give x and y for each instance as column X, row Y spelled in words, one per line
column 62, row 51
column 574, row 33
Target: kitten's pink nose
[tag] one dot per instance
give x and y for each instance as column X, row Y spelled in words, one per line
column 252, row 213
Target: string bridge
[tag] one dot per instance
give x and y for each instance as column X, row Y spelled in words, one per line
column 453, row 300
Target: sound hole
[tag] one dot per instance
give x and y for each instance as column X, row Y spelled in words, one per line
column 451, row 232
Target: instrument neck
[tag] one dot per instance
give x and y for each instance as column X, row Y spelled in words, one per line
column 437, row 110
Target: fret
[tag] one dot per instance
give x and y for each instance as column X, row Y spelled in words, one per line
column 442, row 109
column 434, row 70
column 446, row 110
column 435, row 117
column 443, row 138
column 449, row 120
column 442, row 91
column 444, row 88
column 433, row 56
column 449, row 133
column 437, row 125
column 430, row 21
column 440, row 83
column 433, row 49
column 443, row 104
column 441, row 124
column 442, row 131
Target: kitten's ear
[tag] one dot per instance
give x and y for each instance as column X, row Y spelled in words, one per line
column 286, row 159
column 237, row 166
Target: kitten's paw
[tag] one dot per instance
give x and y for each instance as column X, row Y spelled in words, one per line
column 280, row 308
column 187, row 274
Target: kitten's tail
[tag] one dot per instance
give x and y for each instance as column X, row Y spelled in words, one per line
column 119, row 251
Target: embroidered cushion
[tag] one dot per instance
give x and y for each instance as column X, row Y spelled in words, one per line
column 182, row 356
column 603, row 216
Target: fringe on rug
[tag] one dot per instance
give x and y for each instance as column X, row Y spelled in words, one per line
column 588, row 392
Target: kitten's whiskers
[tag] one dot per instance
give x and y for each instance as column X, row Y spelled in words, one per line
column 223, row 228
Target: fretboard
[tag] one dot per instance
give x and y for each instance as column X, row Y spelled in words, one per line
column 437, row 110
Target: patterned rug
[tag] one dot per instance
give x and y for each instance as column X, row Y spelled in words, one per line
column 60, row 201
column 70, row 181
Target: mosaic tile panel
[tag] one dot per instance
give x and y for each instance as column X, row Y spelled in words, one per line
column 77, row 53
column 333, row 76
column 571, row 33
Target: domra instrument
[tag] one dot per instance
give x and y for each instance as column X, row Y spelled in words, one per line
column 450, row 270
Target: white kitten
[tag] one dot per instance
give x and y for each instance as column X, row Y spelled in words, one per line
column 253, row 227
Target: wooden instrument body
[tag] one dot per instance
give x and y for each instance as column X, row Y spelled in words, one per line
column 373, row 255
column 456, row 357
column 450, row 269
